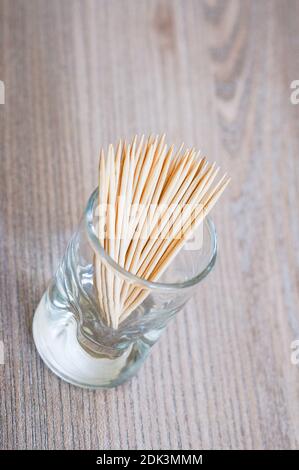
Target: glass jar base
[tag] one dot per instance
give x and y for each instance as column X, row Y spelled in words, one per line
column 59, row 348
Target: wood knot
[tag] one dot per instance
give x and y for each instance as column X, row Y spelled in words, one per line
column 164, row 25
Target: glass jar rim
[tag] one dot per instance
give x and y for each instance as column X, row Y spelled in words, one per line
column 152, row 285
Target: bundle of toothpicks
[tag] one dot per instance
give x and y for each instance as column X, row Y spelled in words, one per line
column 151, row 200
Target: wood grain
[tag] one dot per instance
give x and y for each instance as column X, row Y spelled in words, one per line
column 216, row 74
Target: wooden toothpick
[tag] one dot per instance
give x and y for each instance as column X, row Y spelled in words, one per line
column 173, row 192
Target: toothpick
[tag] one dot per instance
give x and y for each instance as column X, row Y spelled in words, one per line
column 146, row 173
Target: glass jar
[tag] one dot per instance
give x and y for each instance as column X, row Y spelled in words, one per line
column 69, row 326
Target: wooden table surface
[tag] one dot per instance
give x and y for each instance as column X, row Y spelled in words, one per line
column 216, row 74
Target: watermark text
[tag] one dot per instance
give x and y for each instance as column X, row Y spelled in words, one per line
column 2, row 92
column 1, row 353
column 295, row 352
column 294, row 97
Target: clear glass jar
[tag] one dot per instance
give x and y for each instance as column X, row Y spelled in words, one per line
column 69, row 329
